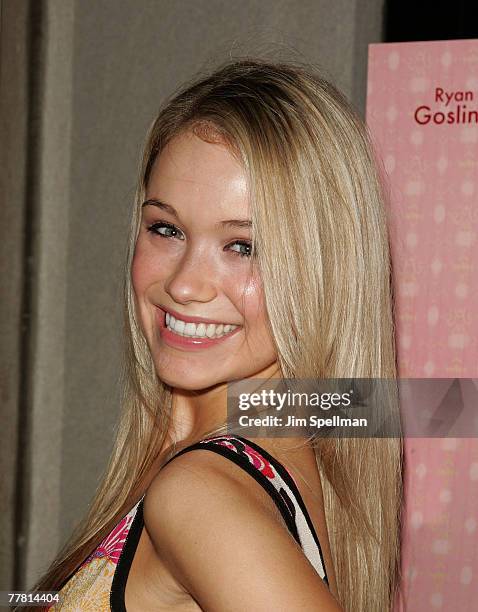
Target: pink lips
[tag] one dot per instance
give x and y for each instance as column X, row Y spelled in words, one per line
column 183, row 342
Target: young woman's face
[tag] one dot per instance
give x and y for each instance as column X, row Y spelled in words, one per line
column 192, row 262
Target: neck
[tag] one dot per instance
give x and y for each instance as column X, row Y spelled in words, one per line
column 195, row 413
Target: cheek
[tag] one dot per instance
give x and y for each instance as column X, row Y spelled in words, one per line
column 144, row 275
column 139, row 271
column 251, row 303
column 145, row 267
column 139, row 281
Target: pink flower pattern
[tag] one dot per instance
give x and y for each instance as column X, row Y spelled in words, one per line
column 257, row 460
column 113, row 544
column 92, row 581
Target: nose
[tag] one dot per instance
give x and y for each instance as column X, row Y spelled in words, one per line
column 192, row 279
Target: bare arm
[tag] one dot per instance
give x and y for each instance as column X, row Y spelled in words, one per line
column 224, row 546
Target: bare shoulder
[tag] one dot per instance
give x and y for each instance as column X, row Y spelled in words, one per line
column 224, row 546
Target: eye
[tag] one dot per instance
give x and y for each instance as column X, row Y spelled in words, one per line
column 244, row 250
column 166, row 230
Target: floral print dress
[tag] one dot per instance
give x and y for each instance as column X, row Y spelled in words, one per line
column 98, row 585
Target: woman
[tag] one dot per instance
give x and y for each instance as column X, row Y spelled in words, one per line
column 259, row 228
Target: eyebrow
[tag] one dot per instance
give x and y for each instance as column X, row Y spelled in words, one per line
column 247, row 223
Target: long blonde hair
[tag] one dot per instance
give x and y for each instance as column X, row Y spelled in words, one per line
column 319, row 224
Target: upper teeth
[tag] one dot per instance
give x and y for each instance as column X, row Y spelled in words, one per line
column 197, row 330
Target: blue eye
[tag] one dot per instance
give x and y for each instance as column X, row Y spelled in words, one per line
column 247, row 246
column 166, row 230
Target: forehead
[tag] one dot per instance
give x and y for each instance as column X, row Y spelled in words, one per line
column 192, row 171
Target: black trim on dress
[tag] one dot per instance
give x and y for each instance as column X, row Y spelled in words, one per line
column 120, row 577
column 244, row 463
column 288, row 479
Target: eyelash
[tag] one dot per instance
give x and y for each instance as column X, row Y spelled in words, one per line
column 153, row 227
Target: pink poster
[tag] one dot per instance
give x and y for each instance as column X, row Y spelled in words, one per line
column 422, row 111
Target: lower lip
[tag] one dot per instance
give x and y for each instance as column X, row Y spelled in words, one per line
column 186, row 343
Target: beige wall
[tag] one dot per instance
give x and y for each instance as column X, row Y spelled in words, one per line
column 103, row 68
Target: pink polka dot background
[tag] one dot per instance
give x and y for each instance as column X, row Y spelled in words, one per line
column 432, row 171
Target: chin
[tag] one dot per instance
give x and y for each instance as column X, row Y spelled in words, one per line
column 190, row 383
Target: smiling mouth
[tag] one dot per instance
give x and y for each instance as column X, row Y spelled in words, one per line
column 198, row 330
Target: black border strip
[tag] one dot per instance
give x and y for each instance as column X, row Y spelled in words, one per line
column 35, row 33
column 120, row 577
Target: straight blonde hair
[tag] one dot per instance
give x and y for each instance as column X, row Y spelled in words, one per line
column 319, row 229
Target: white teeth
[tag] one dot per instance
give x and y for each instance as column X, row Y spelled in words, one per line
column 211, row 330
column 189, row 330
column 200, row 330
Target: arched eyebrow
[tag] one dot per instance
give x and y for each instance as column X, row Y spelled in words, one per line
column 233, row 223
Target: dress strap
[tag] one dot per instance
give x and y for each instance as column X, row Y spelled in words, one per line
column 276, row 481
column 120, row 577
